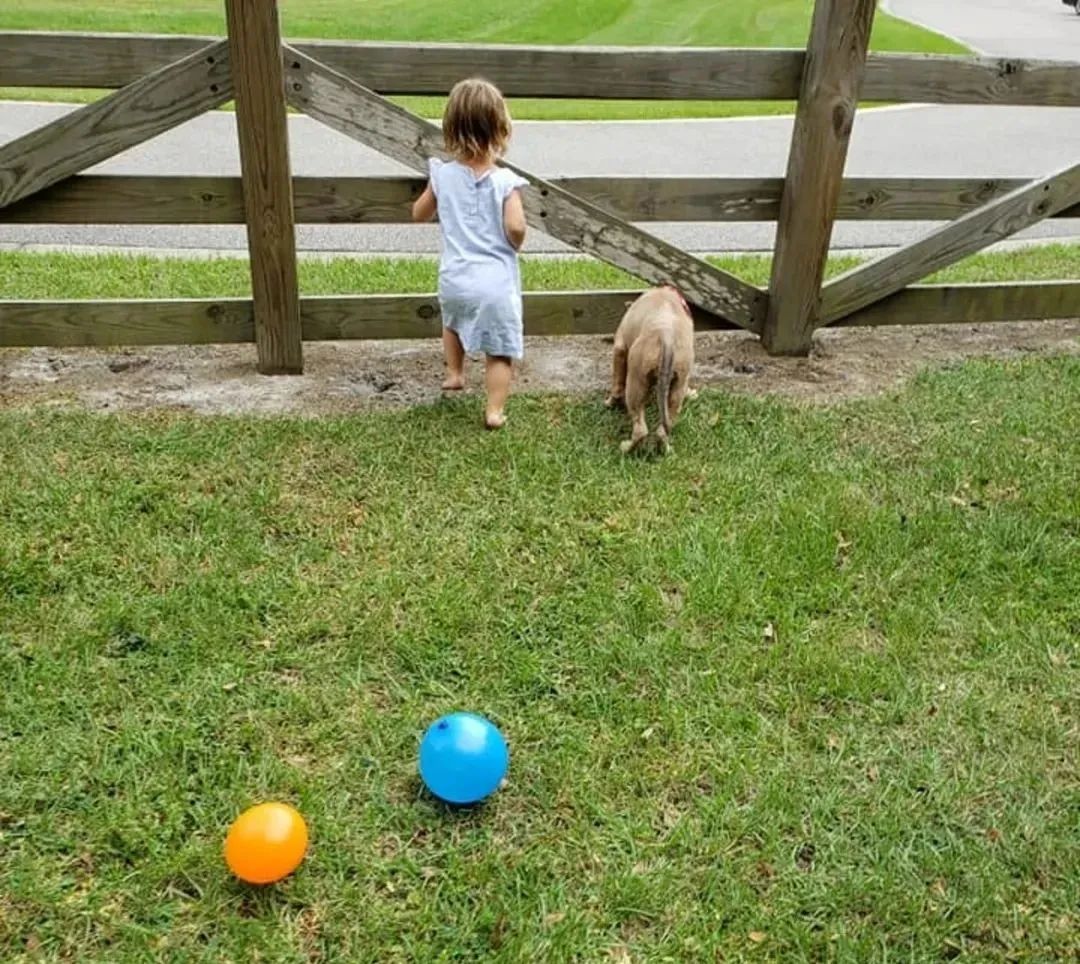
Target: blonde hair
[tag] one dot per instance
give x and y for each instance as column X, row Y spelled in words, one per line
column 476, row 123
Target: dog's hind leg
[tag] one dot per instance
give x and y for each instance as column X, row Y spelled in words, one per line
column 665, row 386
column 680, row 392
column 617, row 398
column 636, row 395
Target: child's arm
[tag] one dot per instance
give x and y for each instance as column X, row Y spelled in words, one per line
column 514, row 220
column 425, row 206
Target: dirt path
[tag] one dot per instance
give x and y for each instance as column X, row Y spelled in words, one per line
column 345, row 377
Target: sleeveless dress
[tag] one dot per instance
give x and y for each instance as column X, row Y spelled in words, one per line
column 479, row 278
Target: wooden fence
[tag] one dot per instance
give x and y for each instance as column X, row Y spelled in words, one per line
column 164, row 81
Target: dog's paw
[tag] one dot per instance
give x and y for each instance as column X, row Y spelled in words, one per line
column 628, row 446
column 614, row 401
column 691, row 393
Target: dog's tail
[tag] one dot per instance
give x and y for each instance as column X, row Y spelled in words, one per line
column 664, row 378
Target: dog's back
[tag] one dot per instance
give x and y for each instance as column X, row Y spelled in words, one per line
column 657, row 309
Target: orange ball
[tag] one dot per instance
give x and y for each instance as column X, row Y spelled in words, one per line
column 266, row 843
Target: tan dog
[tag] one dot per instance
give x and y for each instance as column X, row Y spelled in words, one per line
column 654, row 347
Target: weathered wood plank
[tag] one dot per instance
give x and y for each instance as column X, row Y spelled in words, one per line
column 836, row 55
column 971, row 304
column 64, row 59
column 924, row 198
column 100, row 324
column 262, row 126
column 121, row 199
column 359, row 113
column 227, row 321
column 417, row 316
column 144, row 109
column 937, row 79
column 30, row 59
column 645, row 73
column 689, row 73
column 993, row 222
column 231, row 320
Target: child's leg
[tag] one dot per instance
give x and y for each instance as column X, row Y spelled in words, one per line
column 498, row 374
column 455, row 361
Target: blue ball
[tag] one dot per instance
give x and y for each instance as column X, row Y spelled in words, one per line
column 463, row 758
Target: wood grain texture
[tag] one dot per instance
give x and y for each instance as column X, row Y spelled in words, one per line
column 99, row 324
column 68, row 59
column 366, row 116
column 122, row 199
column 637, row 73
column 417, row 316
column 939, row 79
column 30, row 59
column 864, row 285
column 924, row 198
column 228, row 321
column 144, row 109
column 104, row 323
column 972, row 304
column 836, row 55
column 262, row 125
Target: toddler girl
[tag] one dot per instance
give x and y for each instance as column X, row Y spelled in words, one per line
column 483, row 228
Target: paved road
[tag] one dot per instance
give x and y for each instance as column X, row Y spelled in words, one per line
column 1037, row 29
column 926, row 141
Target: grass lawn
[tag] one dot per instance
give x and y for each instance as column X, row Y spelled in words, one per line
column 757, row 23
column 804, row 691
column 48, row 276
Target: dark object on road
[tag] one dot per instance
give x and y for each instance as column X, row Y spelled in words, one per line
column 1075, row 4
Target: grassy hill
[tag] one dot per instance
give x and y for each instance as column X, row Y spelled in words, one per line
column 766, row 23
column 746, row 23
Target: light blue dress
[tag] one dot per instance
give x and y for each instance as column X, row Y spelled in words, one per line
column 479, row 278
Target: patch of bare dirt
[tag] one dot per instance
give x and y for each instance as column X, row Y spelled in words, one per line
column 343, row 377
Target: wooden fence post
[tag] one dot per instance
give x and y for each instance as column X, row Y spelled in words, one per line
column 262, row 125
column 832, row 77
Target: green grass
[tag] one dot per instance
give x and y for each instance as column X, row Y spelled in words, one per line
column 774, row 23
column 757, row 23
column 199, row 614
column 24, row 275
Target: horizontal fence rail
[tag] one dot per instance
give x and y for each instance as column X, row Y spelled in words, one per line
column 121, row 199
column 231, row 320
column 30, row 59
column 219, row 321
column 972, row 304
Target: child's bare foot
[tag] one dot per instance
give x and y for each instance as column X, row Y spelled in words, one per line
column 493, row 421
column 453, row 383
